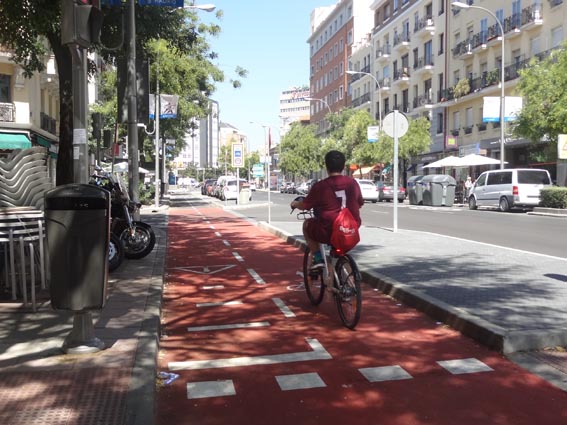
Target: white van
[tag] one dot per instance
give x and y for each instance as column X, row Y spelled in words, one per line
column 510, row 188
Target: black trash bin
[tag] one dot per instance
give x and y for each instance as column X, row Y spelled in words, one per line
column 415, row 190
column 77, row 220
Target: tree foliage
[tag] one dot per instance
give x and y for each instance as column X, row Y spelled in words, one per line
column 543, row 86
column 300, row 151
column 31, row 28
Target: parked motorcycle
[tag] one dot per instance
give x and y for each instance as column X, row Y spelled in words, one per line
column 137, row 237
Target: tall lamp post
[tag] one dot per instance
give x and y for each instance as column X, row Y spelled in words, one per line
column 379, row 94
column 462, row 5
column 268, row 159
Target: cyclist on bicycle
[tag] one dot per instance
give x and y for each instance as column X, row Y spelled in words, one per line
column 326, row 198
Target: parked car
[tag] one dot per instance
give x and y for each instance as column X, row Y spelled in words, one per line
column 386, row 191
column 368, row 189
column 507, row 189
column 207, row 186
column 302, row 188
column 231, row 190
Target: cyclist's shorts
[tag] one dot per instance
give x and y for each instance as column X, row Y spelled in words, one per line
column 316, row 231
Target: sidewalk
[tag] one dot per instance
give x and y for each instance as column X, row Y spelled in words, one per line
column 506, row 299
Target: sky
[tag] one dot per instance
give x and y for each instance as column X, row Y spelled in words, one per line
column 269, row 39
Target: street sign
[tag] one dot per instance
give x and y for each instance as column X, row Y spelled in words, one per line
column 237, row 155
column 258, row 170
column 401, row 124
column 372, row 132
column 562, row 146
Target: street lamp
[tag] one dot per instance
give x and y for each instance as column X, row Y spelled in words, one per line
column 204, row 7
column 462, row 5
column 267, row 159
column 379, row 94
column 323, row 101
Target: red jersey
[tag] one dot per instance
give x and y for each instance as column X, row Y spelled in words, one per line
column 326, row 197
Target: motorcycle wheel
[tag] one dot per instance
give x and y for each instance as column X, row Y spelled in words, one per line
column 140, row 243
column 115, row 252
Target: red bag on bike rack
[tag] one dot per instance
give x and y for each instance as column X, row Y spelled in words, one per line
column 345, row 236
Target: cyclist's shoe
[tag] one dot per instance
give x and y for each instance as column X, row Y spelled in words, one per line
column 318, row 262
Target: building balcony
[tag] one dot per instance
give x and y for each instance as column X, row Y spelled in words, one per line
column 384, row 53
column 468, row 129
column 402, row 42
column 481, row 126
column 402, row 77
column 423, row 101
column 423, row 66
column 365, row 98
column 424, row 27
column 385, row 83
column 7, row 112
column 455, row 132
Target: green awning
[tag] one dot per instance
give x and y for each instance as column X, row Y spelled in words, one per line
column 14, row 141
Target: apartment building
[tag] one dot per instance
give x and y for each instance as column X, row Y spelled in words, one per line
column 29, row 108
column 294, row 106
column 531, row 29
column 333, row 31
column 431, row 59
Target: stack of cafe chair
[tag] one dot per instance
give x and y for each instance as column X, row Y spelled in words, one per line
column 23, row 183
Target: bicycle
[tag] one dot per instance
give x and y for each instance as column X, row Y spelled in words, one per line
column 340, row 275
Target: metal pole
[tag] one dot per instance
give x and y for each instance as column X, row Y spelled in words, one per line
column 133, row 161
column 502, row 101
column 157, row 110
column 80, row 100
column 268, row 159
column 396, row 171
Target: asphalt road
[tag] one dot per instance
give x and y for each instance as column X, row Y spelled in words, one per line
column 518, row 230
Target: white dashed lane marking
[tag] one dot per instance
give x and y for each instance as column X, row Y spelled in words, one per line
column 231, row 326
column 256, row 276
column 283, row 308
column 219, row 304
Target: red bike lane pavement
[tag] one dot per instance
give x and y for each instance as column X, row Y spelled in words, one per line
column 249, row 348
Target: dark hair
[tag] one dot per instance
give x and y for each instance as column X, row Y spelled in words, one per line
column 335, row 161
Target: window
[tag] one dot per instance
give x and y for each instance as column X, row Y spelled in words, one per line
column 441, row 40
column 396, row 5
column 428, row 52
column 441, row 7
column 341, row 68
column 387, row 12
column 349, row 37
column 469, row 117
column 341, row 92
column 456, row 120
column 483, row 30
column 5, row 93
column 439, row 122
column 341, row 45
column 535, row 47
column 556, row 36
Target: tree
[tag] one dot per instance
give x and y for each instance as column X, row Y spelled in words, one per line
column 543, row 86
column 300, row 151
column 27, row 27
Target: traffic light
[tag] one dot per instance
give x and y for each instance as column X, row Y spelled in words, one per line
column 81, row 22
column 97, row 124
column 107, row 138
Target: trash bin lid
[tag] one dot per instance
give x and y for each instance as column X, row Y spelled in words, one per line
column 76, row 196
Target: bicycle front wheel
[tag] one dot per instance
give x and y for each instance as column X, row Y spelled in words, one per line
column 313, row 280
column 349, row 291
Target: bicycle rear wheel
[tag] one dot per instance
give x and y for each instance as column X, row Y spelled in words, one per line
column 314, row 284
column 349, row 292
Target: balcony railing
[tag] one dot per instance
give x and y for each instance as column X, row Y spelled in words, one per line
column 384, row 51
column 402, row 74
column 426, row 23
column 7, row 112
column 423, row 62
column 422, row 101
column 481, row 126
column 361, row 100
column 529, row 15
column 468, row 130
column 401, row 39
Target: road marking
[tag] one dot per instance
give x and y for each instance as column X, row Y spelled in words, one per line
column 385, row 373
column 300, row 381
column 210, row 389
column 227, row 243
column 218, row 234
column 208, row 288
column 461, row 366
column 231, row 326
column 237, row 256
column 219, row 304
column 283, row 308
column 318, row 353
column 205, row 269
column 256, row 276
